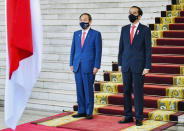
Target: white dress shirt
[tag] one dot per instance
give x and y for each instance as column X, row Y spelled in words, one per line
column 136, row 25
column 86, row 32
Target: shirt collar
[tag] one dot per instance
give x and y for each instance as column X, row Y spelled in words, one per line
column 136, row 25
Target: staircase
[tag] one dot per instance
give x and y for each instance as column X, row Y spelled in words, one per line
column 55, row 89
column 164, row 86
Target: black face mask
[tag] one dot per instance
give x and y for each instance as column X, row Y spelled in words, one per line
column 84, row 25
column 132, row 18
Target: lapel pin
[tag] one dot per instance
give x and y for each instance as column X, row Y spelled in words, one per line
column 137, row 32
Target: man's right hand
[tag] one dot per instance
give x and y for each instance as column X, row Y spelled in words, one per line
column 71, row 68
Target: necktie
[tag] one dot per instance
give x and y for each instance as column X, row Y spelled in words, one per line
column 132, row 34
column 83, row 39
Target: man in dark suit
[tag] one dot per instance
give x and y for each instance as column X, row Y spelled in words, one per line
column 85, row 60
column 135, row 60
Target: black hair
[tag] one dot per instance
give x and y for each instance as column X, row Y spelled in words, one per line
column 139, row 10
column 89, row 16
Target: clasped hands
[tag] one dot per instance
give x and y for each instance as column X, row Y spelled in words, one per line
column 145, row 71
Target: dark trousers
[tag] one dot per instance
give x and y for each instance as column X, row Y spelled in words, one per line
column 85, row 93
column 135, row 81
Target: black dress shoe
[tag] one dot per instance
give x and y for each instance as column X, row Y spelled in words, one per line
column 126, row 120
column 79, row 115
column 138, row 122
column 89, row 117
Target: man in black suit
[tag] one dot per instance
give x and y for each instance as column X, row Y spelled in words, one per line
column 135, row 60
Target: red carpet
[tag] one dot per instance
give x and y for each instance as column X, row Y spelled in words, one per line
column 174, row 59
column 159, row 79
column 109, row 124
column 178, row 26
column 165, row 68
column 173, row 34
column 98, row 123
column 170, row 42
column 149, row 101
column 117, row 110
column 33, row 127
column 167, row 50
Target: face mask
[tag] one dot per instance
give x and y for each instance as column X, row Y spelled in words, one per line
column 84, row 25
column 132, row 18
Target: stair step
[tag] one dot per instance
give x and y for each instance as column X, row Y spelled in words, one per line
column 95, row 1
column 149, row 78
column 107, row 10
column 149, row 89
column 94, row 5
column 115, row 110
column 162, row 20
column 55, row 91
column 119, row 110
column 49, row 105
column 159, row 79
column 174, row 7
column 173, row 34
column 159, row 68
column 170, row 42
column 168, row 50
column 172, row 13
column 149, row 101
column 53, row 94
column 170, row 69
column 176, row 26
column 167, row 34
column 118, row 99
column 156, row 58
column 168, row 58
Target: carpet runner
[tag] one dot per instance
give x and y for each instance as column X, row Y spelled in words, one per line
column 65, row 122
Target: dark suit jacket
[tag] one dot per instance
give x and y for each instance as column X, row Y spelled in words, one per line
column 90, row 55
column 138, row 55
